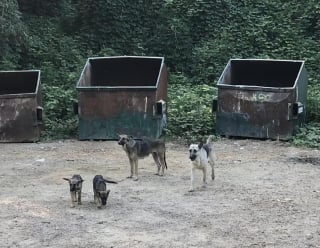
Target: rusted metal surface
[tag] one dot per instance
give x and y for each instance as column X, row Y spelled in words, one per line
column 119, row 95
column 20, row 106
column 261, row 98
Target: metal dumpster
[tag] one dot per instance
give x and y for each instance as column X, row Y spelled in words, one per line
column 20, row 106
column 261, row 98
column 122, row 94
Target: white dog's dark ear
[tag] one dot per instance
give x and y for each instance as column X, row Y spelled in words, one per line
column 200, row 145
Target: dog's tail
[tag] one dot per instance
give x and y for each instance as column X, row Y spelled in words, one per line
column 210, row 139
column 109, row 181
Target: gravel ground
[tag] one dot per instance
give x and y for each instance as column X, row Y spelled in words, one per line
column 266, row 194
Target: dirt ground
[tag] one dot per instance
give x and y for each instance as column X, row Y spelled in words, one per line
column 266, row 194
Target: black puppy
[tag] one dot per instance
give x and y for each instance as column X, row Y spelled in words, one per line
column 100, row 190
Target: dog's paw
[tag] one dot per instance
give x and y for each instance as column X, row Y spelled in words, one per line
column 129, row 176
column 135, row 178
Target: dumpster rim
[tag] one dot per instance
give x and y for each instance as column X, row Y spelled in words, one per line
column 249, row 87
column 26, row 94
column 255, row 88
column 115, row 88
column 120, row 87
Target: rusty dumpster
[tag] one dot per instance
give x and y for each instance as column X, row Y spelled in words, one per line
column 20, row 106
column 260, row 98
column 122, row 94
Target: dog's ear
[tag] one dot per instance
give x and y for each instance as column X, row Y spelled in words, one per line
column 200, row 145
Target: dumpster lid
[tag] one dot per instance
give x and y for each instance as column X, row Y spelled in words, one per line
column 17, row 84
column 121, row 73
column 261, row 74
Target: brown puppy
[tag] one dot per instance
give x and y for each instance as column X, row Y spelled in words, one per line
column 75, row 183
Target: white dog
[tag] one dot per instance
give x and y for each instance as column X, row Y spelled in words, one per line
column 202, row 155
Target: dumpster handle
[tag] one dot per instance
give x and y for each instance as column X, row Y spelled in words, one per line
column 75, row 107
column 214, row 106
column 294, row 110
column 39, row 113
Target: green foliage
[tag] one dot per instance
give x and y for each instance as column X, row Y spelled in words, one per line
column 60, row 62
column 12, row 35
column 190, row 106
column 196, row 37
column 59, row 120
column 308, row 135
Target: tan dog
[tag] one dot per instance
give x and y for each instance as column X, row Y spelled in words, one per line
column 202, row 155
column 140, row 148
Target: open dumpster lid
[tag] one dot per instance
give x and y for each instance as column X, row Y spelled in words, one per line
column 15, row 84
column 262, row 74
column 121, row 72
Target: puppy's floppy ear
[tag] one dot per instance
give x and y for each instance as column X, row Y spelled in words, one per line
column 200, row 145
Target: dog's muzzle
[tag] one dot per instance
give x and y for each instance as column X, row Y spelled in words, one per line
column 192, row 157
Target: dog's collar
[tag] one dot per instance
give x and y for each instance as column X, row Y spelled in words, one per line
column 131, row 142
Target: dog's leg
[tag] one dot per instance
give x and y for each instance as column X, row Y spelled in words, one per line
column 162, row 160
column 156, row 160
column 73, row 198
column 98, row 202
column 131, row 161
column 95, row 198
column 79, row 198
column 135, row 177
column 212, row 170
column 204, row 178
column 192, row 180
column 211, row 162
column 108, row 192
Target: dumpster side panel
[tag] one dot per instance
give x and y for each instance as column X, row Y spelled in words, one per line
column 136, row 124
column 302, row 82
column 262, row 98
column 257, row 114
column 18, row 120
column 105, row 114
column 122, row 94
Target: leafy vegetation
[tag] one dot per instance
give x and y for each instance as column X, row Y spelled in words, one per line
column 197, row 38
column 190, row 109
column 308, row 136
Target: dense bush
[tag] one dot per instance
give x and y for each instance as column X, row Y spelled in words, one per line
column 190, row 115
column 197, row 38
column 309, row 135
